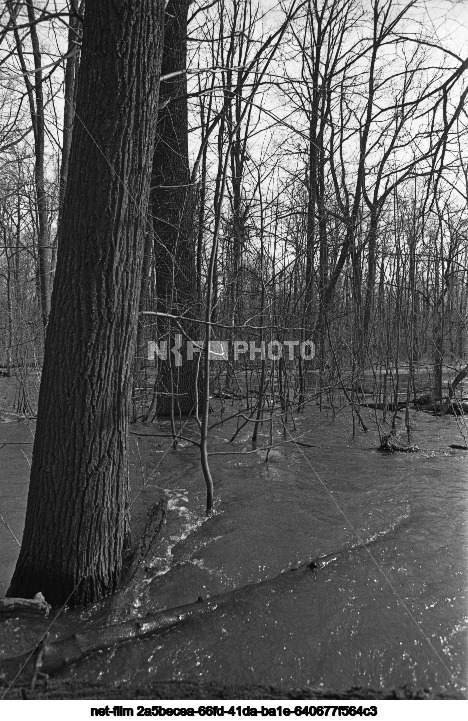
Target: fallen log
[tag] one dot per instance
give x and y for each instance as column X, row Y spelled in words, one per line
column 57, row 655
column 227, row 395
column 36, row 606
column 385, row 406
column 454, row 408
column 76, row 647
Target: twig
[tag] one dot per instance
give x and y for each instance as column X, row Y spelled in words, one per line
column 37, row 660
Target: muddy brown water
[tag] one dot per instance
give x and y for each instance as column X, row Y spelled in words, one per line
column 387, row 607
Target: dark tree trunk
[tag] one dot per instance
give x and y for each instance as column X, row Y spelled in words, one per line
column 173, row 206
column 77, row 512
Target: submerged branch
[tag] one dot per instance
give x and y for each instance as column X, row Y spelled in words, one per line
column 59, row 654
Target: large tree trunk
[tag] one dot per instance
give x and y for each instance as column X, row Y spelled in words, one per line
column 77, row 512
column 173, row 205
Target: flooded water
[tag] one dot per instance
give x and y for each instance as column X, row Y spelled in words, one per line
column 16, row 442
column 386, row 605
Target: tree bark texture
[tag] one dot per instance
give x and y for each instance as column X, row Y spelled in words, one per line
column 77, row 514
